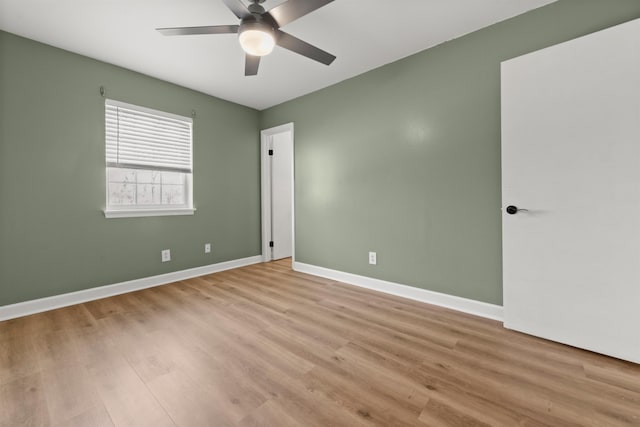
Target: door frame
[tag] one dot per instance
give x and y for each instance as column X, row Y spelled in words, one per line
column 265, row 186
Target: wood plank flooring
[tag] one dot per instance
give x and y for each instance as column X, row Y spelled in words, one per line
column 266, row 346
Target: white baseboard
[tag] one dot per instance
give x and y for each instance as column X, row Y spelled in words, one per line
column 478, row 308
column 49, row 303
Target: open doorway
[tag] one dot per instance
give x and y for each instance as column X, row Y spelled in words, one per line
column 277, row 177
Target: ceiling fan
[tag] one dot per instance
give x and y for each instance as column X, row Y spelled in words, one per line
column 259, row 30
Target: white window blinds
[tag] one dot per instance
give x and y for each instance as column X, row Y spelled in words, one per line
column 138, row 137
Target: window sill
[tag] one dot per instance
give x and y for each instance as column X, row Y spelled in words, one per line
column 137, row 213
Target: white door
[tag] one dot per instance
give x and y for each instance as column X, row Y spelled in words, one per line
column 281, row 194
column 571, row 157
column 277, row 192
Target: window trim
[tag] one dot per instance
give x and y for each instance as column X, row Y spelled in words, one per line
column 127, row 211
column 137, row 213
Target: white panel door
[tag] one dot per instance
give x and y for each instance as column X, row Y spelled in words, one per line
column 281, row 194
column 571, row 156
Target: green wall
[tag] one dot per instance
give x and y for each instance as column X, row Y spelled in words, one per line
column 53, row 235
column 405, row 160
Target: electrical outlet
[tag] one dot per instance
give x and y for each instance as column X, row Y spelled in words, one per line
column 166, row 255
column 207, row 248
column 373, row 258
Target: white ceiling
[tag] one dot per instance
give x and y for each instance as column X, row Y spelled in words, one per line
column 363, row 34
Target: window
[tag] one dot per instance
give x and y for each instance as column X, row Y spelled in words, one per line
column 149, row 158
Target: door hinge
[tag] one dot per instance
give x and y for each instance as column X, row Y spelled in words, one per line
column 271, row 152
column 271, row 244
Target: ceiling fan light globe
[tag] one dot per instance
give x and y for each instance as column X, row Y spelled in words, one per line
column 257, row 42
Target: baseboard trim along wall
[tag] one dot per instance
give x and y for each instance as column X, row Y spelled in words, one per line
column 465, row 305
column 478, row 308
column 58, row 301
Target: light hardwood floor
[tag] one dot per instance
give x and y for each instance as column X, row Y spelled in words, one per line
column 266, row 346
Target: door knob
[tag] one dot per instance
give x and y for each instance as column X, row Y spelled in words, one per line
column 512, row 210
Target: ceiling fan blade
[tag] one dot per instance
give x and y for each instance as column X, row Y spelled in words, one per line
column 294, row 9
column 251, row 65
column 303, row 48
column 186, row 31
column 238, row 8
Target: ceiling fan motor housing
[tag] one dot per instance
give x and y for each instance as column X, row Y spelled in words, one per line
column 257, row 20
column 257, row 26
